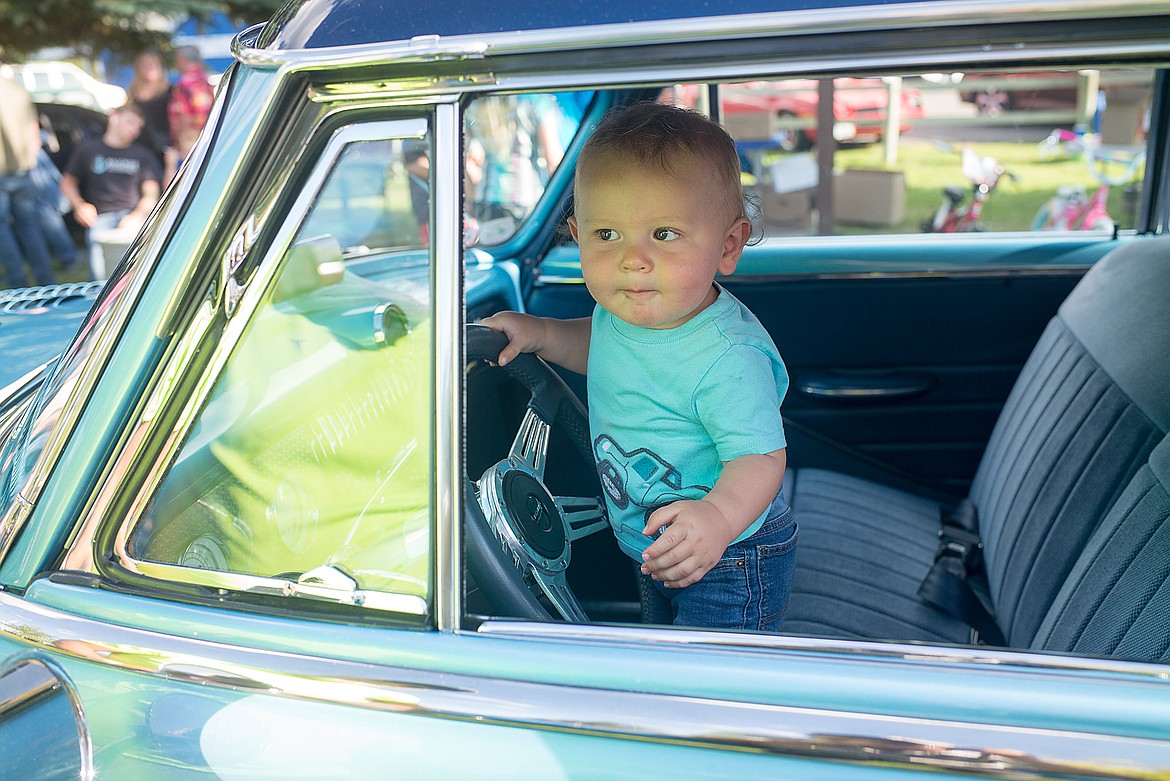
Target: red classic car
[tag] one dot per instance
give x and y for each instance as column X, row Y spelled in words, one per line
column 859, row 107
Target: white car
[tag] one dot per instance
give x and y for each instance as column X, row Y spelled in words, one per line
column 64, row 82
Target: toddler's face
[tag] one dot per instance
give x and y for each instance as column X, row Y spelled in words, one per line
column 651, row 244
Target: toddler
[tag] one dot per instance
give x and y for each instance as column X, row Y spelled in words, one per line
column 684, row 382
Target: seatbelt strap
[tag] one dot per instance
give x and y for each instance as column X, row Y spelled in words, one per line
column 947, row 585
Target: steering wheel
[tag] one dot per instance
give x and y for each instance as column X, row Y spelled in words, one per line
column 519, row 534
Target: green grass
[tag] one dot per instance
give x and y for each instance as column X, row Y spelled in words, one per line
column 1011, row 207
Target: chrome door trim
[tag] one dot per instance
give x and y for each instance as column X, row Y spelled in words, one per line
column 907, row 743
column 870, row 649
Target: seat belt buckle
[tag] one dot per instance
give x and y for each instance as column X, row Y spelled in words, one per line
column 962, row 544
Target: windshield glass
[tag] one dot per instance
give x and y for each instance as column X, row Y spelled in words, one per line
column 515, row 143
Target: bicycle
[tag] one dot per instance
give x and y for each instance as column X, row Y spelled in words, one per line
column 1073, row 209
column 1066, row 143
column 955, row 216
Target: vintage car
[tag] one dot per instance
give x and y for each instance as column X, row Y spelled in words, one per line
column 65, row 82
column 859, row 108
column 270, row 509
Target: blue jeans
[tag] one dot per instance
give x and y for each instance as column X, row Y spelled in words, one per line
column 20, row 219
column 747, row 589
column 47, row 181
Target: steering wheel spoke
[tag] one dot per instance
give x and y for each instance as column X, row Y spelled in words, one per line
column 530, row 447
column 519, row 535
column 557, row 591
column 585, row 515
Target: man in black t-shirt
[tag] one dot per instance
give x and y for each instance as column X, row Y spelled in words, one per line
column 112, row 183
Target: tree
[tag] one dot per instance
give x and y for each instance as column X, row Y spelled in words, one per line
column 92, row 26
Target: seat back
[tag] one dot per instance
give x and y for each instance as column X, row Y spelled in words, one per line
column 1116, row 600
column 1075, row 436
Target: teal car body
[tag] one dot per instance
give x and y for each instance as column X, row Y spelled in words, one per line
column 270, row 512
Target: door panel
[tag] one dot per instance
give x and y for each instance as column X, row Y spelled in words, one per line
column 954, row 344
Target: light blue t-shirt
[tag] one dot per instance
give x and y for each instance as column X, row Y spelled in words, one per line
column 668, row 407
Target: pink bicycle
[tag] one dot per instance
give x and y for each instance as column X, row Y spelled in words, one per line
column 1065, row 143
column 955, row 215
column 1073, row 209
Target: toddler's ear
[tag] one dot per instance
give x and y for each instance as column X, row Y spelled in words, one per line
column 572, row 221
column 733, row 243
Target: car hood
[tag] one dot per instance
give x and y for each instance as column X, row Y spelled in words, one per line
column 37, row 323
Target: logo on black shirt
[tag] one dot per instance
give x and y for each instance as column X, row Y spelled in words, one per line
column 103, row 164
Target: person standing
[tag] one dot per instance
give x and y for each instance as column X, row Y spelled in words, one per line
column 20, row 140
column 189, row 105
column 111, row 182
column 150, row 90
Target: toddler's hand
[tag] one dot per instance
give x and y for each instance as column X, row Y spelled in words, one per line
column 693, row 541
column 526, row 334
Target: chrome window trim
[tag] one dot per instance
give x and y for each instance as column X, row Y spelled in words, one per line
column 448, row 306
column 625, row 75
column 959, row 273
column 783, row 66
column 407, row 604
column 80, row 555
column 714, row 28
column 430, row 48
column 551, row 280
column 487, row 63
column 903, row 742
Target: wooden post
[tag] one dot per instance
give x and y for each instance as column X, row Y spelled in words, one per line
column 826, row 148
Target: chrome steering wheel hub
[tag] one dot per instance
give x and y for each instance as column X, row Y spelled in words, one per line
column 525, row 518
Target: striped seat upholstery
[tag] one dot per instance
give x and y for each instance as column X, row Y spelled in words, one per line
column 1071, row 494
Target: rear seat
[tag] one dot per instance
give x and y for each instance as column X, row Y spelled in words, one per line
column 1071, row 497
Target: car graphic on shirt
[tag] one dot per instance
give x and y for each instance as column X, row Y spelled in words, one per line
column 641, row 477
